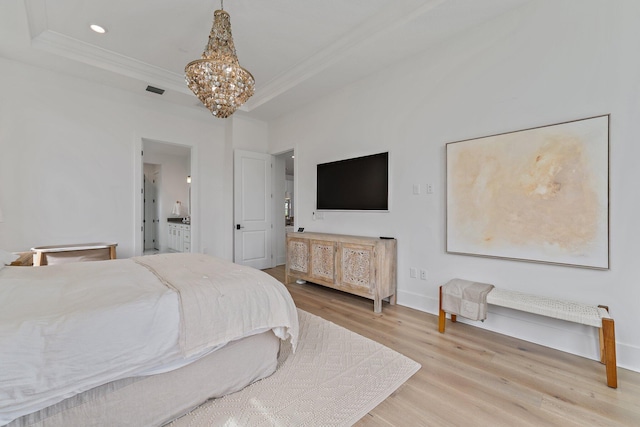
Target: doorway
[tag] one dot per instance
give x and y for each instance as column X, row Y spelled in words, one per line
column 166, row 174
column 285, row 206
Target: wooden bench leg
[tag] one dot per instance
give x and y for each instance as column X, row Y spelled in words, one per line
column 442, row 316
column 602, row 350
column 38, row 259
column 609, row 356
column 601, row 336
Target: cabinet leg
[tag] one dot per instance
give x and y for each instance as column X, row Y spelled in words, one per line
column 377, row 305
column 392, row 299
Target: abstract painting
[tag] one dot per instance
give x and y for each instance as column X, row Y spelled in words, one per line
column 539, row 194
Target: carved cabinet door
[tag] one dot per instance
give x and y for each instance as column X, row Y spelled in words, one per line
column 323, row 268
column 357, row 267
column 298, row 255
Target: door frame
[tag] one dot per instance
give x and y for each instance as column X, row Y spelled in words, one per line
column 269, row 209
column 138, row 173
column 278, row 209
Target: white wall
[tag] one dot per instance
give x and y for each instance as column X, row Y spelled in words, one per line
column 250, row 134
column 550, row 62
column 69, row 151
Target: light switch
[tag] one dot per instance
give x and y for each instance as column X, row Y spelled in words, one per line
column 416, row 189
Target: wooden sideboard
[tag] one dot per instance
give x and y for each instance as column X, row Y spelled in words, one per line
column 364, row 266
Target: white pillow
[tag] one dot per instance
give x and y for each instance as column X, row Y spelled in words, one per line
column 6, row 258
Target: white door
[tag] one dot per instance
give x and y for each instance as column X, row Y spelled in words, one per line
column 252, row 209
column 150, row 209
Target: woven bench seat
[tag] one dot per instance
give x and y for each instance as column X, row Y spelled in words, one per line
column 585, row 314
column 550, row 307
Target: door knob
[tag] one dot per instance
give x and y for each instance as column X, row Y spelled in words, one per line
column 238, row 226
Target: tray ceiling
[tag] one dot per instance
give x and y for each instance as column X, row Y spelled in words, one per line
column 296, row 50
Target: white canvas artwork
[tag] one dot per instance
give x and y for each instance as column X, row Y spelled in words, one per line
column 538, row 195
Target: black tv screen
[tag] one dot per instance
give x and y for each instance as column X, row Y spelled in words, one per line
column 361, row 183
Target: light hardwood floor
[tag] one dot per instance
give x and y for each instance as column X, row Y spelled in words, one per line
column 473, row 377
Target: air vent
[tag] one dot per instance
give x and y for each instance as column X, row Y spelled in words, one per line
column 155, row 90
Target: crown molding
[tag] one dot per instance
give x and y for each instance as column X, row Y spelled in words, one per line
column 68, row 47
column 59, row 44
column 383, row 24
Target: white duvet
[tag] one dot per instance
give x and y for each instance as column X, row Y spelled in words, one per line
column 67, row 328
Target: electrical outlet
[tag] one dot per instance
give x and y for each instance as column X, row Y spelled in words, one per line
column 413, row 272
column 429, row 188
column 423, row 274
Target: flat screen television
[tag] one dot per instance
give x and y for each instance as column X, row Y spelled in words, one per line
column 361, row 184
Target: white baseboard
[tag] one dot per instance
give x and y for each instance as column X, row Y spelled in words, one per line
column 569, row 337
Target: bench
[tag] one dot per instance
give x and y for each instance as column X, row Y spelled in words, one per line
column 48, row 255
column 591, row 315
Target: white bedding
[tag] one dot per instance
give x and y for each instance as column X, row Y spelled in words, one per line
column 70, row 327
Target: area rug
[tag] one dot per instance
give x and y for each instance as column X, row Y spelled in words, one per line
column 333, row 379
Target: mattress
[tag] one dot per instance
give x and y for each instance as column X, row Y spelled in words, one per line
column 158, row 399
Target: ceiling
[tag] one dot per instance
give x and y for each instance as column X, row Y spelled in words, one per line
column 297, row 50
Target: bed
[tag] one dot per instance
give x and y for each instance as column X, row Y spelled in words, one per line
column 136, row 341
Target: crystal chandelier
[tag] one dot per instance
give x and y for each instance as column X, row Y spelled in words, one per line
column 217, row 79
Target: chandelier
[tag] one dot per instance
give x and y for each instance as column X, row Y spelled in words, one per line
column 217, row 79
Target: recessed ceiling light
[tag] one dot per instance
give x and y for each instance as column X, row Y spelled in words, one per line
column 97, row 28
